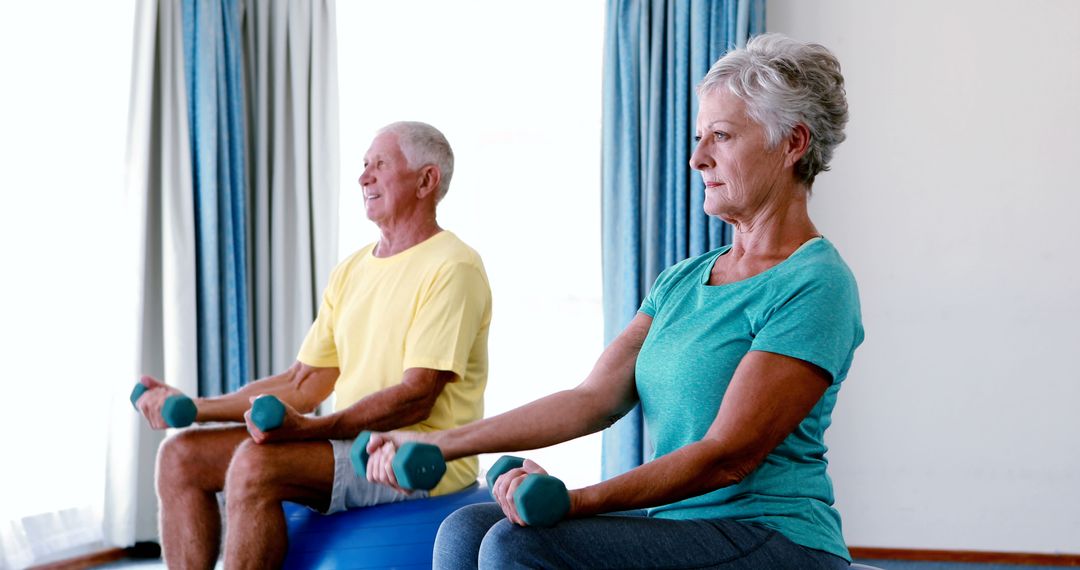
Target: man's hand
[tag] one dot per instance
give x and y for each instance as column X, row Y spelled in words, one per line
column 293, row 426
column 153, row 400
column 507, row 484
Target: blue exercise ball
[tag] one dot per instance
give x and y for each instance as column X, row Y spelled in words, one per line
column 397, row 535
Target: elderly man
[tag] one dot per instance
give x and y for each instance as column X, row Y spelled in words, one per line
column 400, row 339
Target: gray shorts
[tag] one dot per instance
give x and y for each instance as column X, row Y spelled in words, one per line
column 351, row 491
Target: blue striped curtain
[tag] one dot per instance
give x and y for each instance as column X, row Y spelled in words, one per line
column 655, row 53
column 213, row 61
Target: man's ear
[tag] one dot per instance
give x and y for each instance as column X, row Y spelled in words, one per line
column 798, row 142
column 429, row 181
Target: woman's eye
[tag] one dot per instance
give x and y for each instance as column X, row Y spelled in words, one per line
column 721, row 135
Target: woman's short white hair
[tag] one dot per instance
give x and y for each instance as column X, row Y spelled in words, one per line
column 785, row 82
column 423, row 145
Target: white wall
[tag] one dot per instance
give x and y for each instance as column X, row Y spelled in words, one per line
column 954, row 200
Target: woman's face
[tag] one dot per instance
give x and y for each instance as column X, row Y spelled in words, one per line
column 741, row 173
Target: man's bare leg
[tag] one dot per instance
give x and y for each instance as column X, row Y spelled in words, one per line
column 259, row 479
column 191, row 469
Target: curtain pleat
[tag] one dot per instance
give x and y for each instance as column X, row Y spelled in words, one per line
column 655, row 53
column 292, row 116
column 213, row 66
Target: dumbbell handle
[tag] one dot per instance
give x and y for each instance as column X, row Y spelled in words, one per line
column 416, row 465
column 178, row 410
column 267, row 412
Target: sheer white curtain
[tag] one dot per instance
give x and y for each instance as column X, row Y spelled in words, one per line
column 66, row 287
column 162, row 232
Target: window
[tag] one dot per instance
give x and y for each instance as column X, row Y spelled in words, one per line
column 67, row 285
column 516, row 88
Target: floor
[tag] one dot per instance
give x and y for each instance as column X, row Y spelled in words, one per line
column 883, row 564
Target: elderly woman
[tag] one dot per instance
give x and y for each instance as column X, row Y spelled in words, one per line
column 736, row 357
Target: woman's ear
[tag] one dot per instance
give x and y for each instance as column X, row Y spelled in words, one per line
column 798, row 142
column 429, row 181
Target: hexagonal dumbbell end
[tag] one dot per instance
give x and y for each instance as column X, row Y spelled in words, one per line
column 178, row 411
column 267, row 412
column 358, row 454
column 542, row 500
column 504, row 464
column 416, row 465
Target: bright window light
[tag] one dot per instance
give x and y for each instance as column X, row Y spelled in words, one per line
column 516, row 88
column 67, row 313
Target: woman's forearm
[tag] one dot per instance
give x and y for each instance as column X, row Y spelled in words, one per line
column 688, row 472
column 606, row 395
column 560, row 417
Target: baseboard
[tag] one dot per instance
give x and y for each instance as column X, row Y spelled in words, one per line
column 90, row 560
column 141, row 550
column 979, row 556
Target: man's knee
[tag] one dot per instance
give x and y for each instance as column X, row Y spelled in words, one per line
column 179, row 457
column 251, row 472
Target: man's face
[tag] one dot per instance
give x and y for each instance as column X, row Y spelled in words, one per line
column 389, row 185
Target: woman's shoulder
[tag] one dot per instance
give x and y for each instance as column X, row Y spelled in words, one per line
column 691, row 267
column 696, row 262
column 818, row 257
column 818, row 264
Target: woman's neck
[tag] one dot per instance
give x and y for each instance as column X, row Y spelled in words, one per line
column 774, row 231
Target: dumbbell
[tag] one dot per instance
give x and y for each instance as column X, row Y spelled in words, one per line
column 416, row 465
column 267, row 412
column 541, row 500
column 178, row 411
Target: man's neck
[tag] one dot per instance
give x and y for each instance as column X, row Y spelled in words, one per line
column 396, row 238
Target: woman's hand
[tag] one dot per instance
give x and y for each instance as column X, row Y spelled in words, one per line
column 382, row 447
column 153, row 399
column 507, row 484
column 293, row 426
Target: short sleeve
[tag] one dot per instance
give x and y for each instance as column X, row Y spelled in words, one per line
column 659, row 290
column 819, row 322
column 319, row 348
column 448, row 320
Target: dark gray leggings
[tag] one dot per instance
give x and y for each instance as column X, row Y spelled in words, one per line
column 479, row 535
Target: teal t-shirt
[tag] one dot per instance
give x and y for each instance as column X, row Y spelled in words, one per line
column 806, row 307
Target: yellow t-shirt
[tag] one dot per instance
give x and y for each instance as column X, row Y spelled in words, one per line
column 426, row 307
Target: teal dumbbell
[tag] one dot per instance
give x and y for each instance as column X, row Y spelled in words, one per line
column 416, row 465
column 178, row 411
column 267, row 412
column 541, row 500
column 504, row 464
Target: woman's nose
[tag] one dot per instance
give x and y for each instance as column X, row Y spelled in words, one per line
column 699, row 159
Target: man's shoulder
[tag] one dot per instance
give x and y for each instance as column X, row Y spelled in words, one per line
column 452, row 250
column 354, row 258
